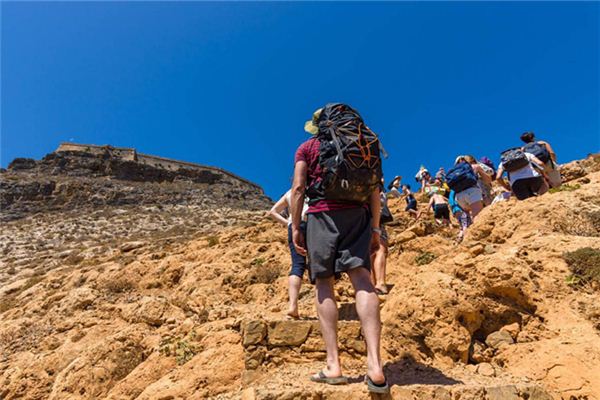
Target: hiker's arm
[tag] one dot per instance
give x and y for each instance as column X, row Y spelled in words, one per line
column 277, row 209
column 375, row 206
column 539, row 165
column 298, row 188
column 484, row 177
column 501, row 180
column 430, row 205
column 550, row 150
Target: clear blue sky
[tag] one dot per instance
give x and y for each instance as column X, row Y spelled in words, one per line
column 231, row 84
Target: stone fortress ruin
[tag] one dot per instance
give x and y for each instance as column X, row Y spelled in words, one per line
column 131, row 154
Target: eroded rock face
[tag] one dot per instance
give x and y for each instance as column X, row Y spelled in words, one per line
column 67, row 180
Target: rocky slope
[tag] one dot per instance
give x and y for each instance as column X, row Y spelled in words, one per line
column 137, row 313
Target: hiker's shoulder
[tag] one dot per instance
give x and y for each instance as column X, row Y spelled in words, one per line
column 306, row 149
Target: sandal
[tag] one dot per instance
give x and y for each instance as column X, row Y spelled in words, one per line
column 382, row 388
column 322, row 378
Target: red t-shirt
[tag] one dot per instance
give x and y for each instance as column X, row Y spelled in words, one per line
column 309, row 152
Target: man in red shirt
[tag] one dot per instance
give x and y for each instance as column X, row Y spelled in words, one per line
column 340, row 238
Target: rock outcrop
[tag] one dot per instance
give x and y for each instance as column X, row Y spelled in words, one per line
column 92, row 306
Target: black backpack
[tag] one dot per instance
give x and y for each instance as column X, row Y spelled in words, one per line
column 349, row 155
column 461, row 177
column 539, row 150
column 513, row 159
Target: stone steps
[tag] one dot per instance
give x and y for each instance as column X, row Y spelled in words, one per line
column 272, row 343
column 408, row 380
column 358, row 391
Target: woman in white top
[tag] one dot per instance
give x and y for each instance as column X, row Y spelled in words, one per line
column 298, row 260
column 526, row 182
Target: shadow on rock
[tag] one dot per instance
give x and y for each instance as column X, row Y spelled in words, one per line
column 407, row 371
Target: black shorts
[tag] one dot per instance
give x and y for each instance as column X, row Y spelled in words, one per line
column 411, row 205
column 528, row 187
column 441, row 211
column 338, row 241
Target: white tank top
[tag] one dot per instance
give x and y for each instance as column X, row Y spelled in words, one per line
column 523, row 173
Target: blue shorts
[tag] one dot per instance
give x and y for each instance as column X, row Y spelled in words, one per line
column 411, row 205
column 298, row 260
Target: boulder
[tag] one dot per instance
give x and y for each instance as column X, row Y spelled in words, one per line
column 288, row 333
column 405, row 236
column 477, row 249
column 486, row 369
column 508, row 392
column 499, row 338
column 253, row 332
column 512, row 329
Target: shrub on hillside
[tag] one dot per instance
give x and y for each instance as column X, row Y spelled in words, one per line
column 424, row 258
column 565, row 188
column 263, row 273
column 584, row 265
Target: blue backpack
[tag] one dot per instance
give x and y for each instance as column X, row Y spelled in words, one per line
column 538, row 150
column 461, row 177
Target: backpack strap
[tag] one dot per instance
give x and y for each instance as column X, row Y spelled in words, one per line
column 336, row 142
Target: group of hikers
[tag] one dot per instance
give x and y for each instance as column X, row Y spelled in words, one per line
column 468, row 187
column 336, row 212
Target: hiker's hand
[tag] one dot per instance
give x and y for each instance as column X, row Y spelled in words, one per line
column 298, row 240
column 375, row 242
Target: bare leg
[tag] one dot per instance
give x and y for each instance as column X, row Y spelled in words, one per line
column 378, row 262
column 367, row 307
column 543, row 189
column 328, row 317
column 476, row 208
column 294, row 283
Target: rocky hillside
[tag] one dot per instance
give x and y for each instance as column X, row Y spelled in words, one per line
column 192, row 314
column 73, row 205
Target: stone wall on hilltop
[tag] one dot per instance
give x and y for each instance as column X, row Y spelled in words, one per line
column 83, row 176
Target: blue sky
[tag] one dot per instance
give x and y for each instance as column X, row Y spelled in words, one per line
column 231, row 84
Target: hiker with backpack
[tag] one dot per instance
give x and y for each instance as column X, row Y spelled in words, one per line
column 463, row 180
column 544, row 152
column 463, row 218
column 525, row 173
column 298, row 260
column 485, row 177
column 339, row 169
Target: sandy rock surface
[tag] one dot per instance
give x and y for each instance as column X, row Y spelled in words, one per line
column 129, row 302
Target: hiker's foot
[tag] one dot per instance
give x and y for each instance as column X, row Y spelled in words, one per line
column 377, row 387
column 329, row 378
column 293, row 314
column 378, row 378
column 381, row 289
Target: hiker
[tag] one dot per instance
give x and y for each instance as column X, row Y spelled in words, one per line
column 463, row 179
column 439, row 205
column 544, row 152
column 342, row 228
column 463, row 218
column 411, row 201
column 525, row 173
column 485, row 177
column 423, row 177
column 485, row 161
column 441, row 174
column 394, row 186
column 440, row 187
column 298, row 260
column 379, row 258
